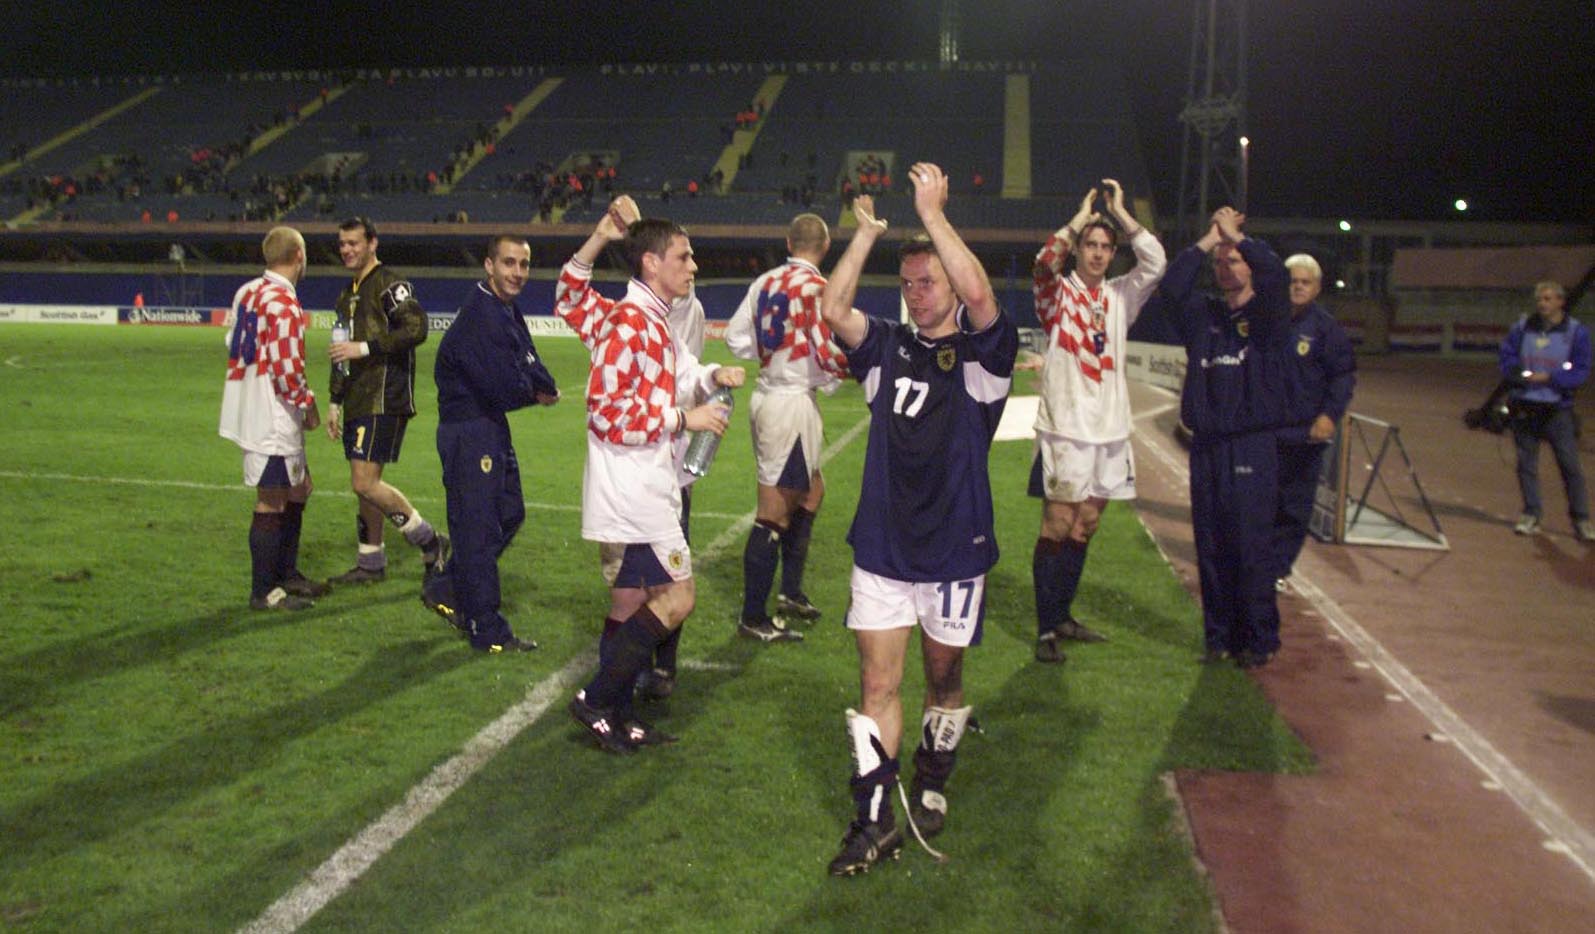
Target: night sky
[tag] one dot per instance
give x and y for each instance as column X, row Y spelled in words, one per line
column 1357, row 108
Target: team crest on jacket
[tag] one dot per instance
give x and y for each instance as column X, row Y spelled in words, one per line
column 946, row 357
column 1303, row 346
column 1243, row 328
column 487, row 464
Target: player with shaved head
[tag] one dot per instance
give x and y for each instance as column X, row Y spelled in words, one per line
column 779, row 324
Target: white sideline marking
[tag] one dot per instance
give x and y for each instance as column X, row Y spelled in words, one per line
column 1576, row 842
column 240, row 488
column 351, row 860
column 692, row 664
column 356, row 856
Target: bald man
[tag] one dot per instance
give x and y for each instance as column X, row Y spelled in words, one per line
column 779, row 324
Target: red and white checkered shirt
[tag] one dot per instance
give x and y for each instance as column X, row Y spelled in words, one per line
column 779, row 322
column 631, row 391
column 266, row 394
column 1083, row 392
column 629, row 489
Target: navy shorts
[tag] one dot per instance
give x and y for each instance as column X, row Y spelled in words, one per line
column 374, row 438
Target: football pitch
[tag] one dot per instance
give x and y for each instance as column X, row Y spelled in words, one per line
column 170, row 760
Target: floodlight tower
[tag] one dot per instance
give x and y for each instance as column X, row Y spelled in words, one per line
column 947, row 36
column 1212, row 162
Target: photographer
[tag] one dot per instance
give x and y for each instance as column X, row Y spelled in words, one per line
column 1547, row 356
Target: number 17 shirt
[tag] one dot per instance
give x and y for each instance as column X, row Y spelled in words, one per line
column 924, row 511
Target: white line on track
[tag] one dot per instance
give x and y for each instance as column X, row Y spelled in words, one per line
column 361, row 852
column 1154, row 413
column 1577, row 843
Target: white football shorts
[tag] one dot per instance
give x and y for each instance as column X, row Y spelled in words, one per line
column 951, row 612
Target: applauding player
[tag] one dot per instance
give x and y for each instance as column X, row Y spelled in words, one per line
column 631, row 504
column 923, row 535
column 1083, row 454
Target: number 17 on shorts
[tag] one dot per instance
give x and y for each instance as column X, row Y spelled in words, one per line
column 951, row 612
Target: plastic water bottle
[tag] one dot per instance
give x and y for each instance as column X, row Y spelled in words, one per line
column 701, row 449
column 340, row 333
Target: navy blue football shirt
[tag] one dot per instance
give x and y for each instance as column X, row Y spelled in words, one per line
column 925, row 513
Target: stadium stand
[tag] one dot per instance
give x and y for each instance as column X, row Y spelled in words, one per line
column 952, row 117
column 303, row 147
column 33, row 113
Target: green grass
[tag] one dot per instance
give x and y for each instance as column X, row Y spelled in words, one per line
column 171, row 761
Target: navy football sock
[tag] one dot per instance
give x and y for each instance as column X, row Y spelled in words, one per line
column 1073, row 568
column 1046, row 570
column 631, row 650
column 795, row 551
column 611, row 626
column 265, row 547
column 665, row 655
column 759, row 557
column 293, row 520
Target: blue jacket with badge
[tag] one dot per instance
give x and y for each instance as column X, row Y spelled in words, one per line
column 487, row 364
column 1324, row 374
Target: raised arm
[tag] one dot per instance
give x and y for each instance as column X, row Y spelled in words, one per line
column 1150, row 260
column 964, row 272
column 611, row 228
column 575, row 300
column 1048, row 268
column 1049, row 262
column 836, row 302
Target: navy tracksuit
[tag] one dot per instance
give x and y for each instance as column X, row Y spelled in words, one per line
column 1320, row 383
column 1233, row 402
column 486, row 367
